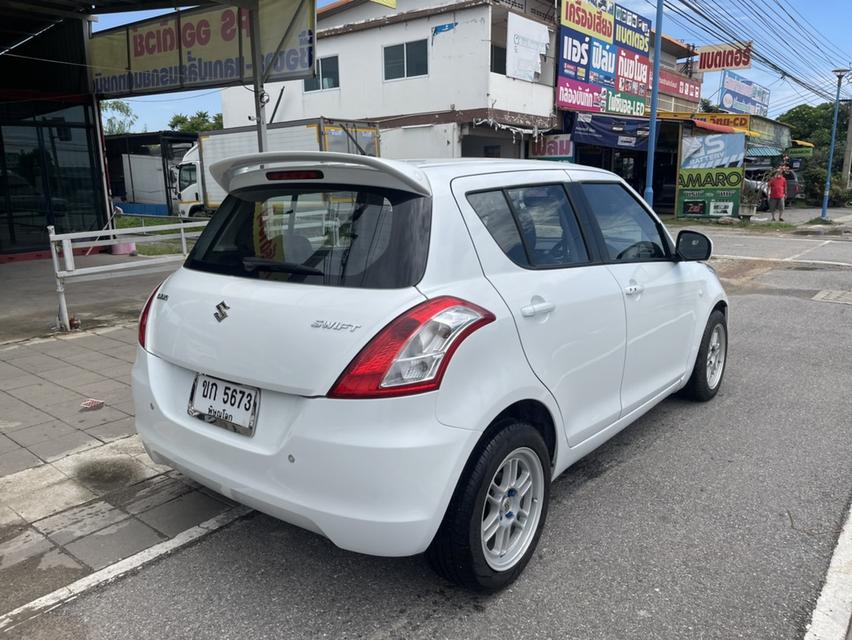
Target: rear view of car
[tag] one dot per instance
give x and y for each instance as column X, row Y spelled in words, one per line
column 401, row 356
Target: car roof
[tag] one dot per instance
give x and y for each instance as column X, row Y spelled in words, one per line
column 417, row 176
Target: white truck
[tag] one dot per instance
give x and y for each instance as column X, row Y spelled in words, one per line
column 198, row 194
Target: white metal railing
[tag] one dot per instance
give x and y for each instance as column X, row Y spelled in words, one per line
column 63, row 245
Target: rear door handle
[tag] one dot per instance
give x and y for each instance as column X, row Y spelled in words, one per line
column 633, row 289
column 537, row 308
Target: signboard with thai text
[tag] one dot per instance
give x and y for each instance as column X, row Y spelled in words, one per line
column 603, row 62
column 632, row 31
column 552, row 147
column 203, row 48
column 718, row 57
column 595, row 19
column 674, row 84
column 741, row 95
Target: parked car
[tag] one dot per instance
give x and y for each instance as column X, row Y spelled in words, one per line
column 402, row 356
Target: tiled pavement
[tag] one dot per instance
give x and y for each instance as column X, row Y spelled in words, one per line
column 77, row 491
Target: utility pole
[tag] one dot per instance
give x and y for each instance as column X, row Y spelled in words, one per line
column 655, row 85
column 260, row 96
column 847, row 156
column 840, row 73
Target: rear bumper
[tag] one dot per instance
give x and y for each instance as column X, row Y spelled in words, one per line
column 374, row 476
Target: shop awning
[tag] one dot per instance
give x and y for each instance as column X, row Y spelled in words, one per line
column 762, row 151
column 802, row 143
column 710, row 126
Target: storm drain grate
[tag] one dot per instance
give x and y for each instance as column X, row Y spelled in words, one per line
column 828, row 295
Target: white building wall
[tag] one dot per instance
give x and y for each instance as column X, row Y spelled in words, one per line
column 511, row 94
column 459, row 72
column 421, row 141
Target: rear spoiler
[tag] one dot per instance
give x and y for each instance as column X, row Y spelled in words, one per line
column 224, row 171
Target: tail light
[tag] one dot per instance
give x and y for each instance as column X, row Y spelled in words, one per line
column 411, row 353
column 143, row 317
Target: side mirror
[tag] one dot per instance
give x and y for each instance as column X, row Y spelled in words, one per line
column 692, row 245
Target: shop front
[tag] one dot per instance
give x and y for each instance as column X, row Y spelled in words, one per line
column 50, row 167
column 620, row 145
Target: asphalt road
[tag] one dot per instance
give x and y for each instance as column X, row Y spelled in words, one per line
column 702, row 521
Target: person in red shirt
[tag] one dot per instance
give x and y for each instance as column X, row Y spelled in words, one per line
column 777, row 193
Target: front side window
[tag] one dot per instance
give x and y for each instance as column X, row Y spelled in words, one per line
column 369, row 238
column 406, row 60
column 327, row 77
column 186, row 176
column 535, row 226
column 629, row 231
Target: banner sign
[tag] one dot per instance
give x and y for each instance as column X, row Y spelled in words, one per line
column 606, row 131
column 632, row 31
column 674, row 84
column 603, row 62
column 710, row 175
column 718, row 57
column 579, row 96
column 724, row 119
column 770, row 133
column 591, row 18
column 741, row 95
column 202, row 48
column 527, row 42
column 554, row 147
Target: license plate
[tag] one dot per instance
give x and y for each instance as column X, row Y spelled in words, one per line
column 224, row 404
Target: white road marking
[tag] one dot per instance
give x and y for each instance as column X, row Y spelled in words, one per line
column 831, row 617
column 830, row 263
column 801, row 253
column 56, row 598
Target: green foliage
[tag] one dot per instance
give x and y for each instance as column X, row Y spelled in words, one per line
column 197, row 123
column 813, row 124
column 708, row 107
column 117, row 116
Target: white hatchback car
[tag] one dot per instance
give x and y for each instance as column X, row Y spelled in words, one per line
column 401, row 356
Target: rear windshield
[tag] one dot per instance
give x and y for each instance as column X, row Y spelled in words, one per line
column 370, row 238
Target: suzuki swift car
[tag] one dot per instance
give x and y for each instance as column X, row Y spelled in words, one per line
column 401, row 356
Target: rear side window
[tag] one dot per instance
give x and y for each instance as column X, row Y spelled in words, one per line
column 369, row 238
column 629, row 231
column 535, row 226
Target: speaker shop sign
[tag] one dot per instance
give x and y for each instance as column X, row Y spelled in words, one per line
column 710, row 177
column 603, row 58
column 203, row 48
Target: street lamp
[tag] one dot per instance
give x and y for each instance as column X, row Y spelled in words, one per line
column 840, row 73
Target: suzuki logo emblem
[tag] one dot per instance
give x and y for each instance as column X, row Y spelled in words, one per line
column 221, row 311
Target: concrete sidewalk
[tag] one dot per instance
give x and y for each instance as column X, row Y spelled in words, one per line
column 29, row 306
column 77, row 490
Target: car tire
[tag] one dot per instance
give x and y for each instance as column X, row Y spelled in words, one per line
column 710, row 363
column 492, row 495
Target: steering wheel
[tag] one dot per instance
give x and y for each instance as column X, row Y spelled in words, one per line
column 638, row 250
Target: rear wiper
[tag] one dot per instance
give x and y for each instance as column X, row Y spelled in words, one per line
column 265, row 264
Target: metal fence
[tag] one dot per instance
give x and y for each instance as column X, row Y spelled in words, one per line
column 63, row 245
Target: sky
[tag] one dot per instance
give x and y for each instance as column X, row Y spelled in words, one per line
column 829, row 19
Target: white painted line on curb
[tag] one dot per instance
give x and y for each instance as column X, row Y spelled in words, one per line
column 56, row 598
column 828, row 263
column 831, row 617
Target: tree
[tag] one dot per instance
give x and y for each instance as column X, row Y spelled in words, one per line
column 706, row 106
column 117, row 117
column 813, row 124
column 197, row 123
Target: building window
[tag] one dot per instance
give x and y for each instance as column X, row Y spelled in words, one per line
column 498, row 59
column 406, row 60
column 328, row 75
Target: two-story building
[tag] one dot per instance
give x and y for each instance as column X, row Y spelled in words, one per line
column 433, row 75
